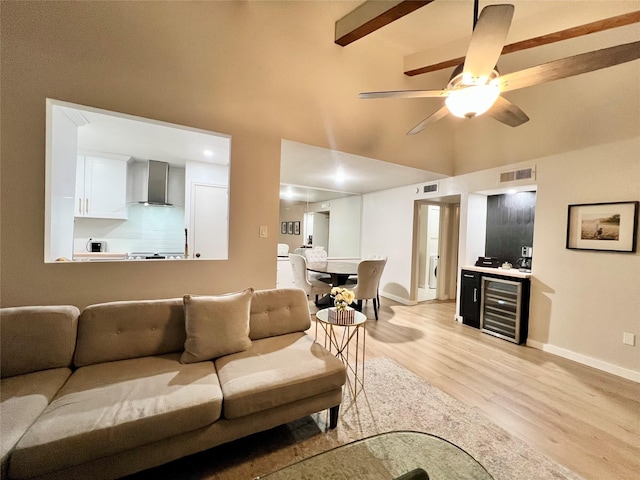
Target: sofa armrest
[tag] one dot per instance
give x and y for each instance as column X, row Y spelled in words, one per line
column 24, row 331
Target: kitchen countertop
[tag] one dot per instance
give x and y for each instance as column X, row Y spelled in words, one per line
column 88, row 256
column 509, row 272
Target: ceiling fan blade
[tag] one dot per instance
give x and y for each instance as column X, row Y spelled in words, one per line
column 487, row 41
column 434, row 117
column 506, row 112
column 406, row 94
column 570, row 66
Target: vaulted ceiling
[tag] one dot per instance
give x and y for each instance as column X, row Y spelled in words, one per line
column 419, row 43
column 568, row 114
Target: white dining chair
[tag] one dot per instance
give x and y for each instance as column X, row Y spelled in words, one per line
column 376, row 256
column 315, row 255
column 301, row 279
column 369, row 273
column 283, row 249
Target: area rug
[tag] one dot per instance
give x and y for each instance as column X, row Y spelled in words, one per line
column 393, row 399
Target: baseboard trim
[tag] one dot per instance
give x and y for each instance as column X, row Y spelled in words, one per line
column 585, row 360
column 404, row 301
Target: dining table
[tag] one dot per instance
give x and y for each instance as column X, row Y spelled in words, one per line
column 339, row 270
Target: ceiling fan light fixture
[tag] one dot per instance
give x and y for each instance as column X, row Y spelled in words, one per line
column 472, row 101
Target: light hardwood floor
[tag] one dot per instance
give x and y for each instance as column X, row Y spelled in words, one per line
column 581, row 417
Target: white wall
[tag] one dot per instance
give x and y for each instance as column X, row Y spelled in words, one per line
column 61, row 185
column 387, row 229
column 344, row 227
column 581, row 301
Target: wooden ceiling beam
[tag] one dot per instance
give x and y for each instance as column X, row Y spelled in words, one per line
column 593, row 27
column 372, row 15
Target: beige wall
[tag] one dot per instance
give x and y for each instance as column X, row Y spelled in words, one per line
column 583, row 301
column 292, row 212
column 258, row 71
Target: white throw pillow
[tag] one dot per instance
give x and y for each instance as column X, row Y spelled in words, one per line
column 216, row 325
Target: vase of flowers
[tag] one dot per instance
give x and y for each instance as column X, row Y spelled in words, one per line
column 342, row 313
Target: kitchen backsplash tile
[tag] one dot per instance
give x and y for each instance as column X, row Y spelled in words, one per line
column 148, row 229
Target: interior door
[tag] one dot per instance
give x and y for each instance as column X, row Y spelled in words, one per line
column 209, row 234
column 321, row 230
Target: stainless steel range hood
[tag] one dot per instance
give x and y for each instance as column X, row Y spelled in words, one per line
column 158, row 183
column 151, row 183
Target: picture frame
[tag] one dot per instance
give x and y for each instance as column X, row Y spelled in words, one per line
column 290, row 228
column 609, row 227
column 296, row 228
column 283, row 228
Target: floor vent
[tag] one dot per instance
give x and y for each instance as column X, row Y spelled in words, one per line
column 431, row 188
column 524, row 174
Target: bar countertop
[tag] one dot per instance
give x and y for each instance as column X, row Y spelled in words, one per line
column 508, row 272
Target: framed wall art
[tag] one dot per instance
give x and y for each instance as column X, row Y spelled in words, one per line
column 296, row 228
column 290, row 228
column 608, row 227
column 283, row 228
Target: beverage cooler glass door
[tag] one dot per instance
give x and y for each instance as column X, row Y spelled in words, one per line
column 501, row 308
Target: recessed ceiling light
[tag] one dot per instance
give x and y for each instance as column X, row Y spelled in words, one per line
column 208, row 153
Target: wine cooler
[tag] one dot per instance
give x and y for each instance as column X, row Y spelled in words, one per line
column 501, row 312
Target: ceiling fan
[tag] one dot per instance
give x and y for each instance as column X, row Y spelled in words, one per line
column 475, row 86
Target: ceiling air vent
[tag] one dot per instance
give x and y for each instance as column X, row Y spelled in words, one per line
column 432, row 187
column 524, row 174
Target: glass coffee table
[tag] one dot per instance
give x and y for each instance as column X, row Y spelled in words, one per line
column 385, row 457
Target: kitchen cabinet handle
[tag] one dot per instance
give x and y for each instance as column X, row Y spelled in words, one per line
column 475, row 295
column 86, row 206
column 79, row 205
column 469, row 276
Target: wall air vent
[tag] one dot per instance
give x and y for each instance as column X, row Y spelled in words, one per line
column 524, row 174
column 430, row 188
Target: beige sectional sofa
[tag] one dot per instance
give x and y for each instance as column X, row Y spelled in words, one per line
column 125, row 386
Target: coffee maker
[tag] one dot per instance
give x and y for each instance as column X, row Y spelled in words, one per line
column 524, row 262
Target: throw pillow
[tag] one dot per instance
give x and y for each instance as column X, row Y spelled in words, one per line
column 216, row 325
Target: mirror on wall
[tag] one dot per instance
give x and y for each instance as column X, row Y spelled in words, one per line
column 320, row 218
column 126, row 188
column 322, row 189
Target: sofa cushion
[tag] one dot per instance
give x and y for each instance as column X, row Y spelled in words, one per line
column 113, row 331
column 21, row 328
column 277, row 371
column 216, row 325
column 112, row 407
column 278, row 312
column 23, row 398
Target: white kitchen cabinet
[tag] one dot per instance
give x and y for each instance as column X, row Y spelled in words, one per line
column 101, row 187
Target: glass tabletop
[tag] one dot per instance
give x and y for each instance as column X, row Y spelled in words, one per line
column 387, row 456
column 323, row 316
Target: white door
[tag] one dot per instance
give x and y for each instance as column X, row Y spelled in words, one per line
column 321, row 230
column 209, row 232
column 429, row 224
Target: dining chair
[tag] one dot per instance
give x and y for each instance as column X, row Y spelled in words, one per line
column 376, row 256
column 283, row 249
column 301, row 279
column 369, row 273
column 314, row 255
